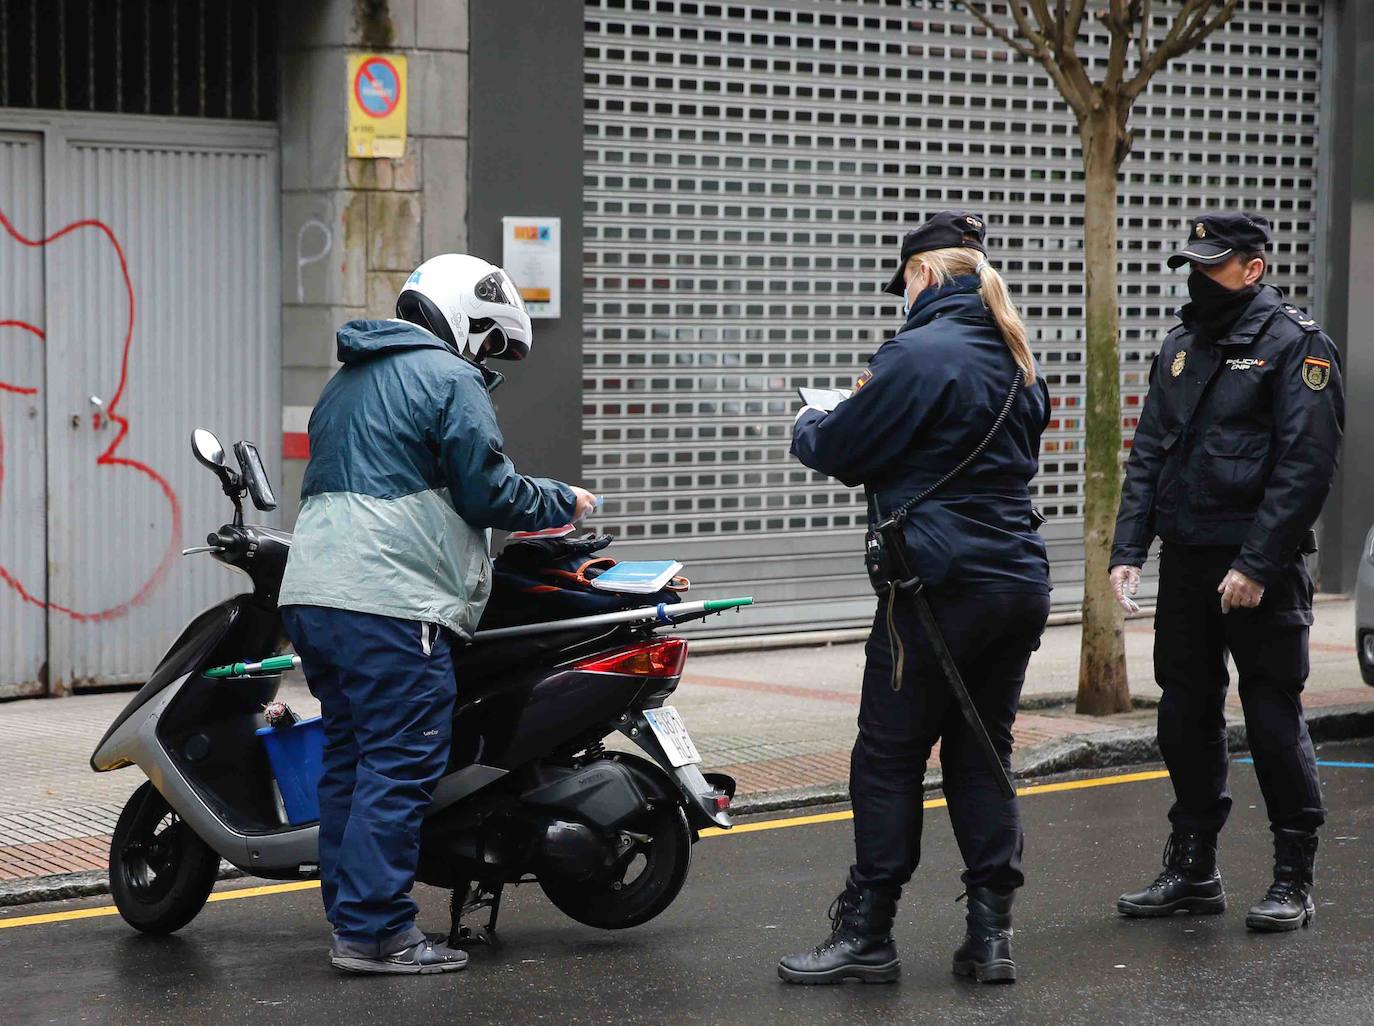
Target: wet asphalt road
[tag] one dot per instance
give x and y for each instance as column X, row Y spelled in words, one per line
column 754, row 896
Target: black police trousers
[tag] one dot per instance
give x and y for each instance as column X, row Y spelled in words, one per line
column 991, row 637
column 1269, row 647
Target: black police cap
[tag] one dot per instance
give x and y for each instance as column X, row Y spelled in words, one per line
column 1215, row 237
column 949, row 229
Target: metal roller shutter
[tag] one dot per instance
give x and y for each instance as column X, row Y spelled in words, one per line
column 750, row 168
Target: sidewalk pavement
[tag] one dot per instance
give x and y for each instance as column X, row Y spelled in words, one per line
column 781, row 722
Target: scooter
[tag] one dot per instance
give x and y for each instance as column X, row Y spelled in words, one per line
column 531, row 792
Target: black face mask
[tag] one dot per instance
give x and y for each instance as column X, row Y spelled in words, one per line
column 1215, row 308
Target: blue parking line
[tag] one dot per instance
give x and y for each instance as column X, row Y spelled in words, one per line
column 1335, row 763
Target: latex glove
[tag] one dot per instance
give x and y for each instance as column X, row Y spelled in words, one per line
column 1125, row 580
column 586, row 502
column 1239, row 592
column 803, row 410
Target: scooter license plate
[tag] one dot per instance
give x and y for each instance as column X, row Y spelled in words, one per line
column 672, row 734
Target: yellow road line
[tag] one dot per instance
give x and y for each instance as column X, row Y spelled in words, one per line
column 110, row 910
column 743, row 828
column 1078, row 785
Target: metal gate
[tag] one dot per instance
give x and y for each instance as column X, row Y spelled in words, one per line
column 139, row 277
column 750, row 168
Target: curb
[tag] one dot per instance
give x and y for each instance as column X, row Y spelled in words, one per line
column 1108, row 749
column 62, row 886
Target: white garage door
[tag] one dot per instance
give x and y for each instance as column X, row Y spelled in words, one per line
column 142, row 299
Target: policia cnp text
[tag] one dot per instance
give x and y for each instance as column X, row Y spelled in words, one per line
column 1233, row 457
column 925, row 402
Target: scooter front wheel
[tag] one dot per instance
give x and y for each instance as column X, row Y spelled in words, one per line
column 160, row 871
column 642, row 882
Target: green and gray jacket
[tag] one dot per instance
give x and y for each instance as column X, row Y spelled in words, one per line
column 406, row 473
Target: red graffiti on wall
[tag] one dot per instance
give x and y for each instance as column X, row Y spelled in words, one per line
column 110, row 457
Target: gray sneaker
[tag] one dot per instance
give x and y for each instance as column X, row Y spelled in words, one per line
column 423, row 957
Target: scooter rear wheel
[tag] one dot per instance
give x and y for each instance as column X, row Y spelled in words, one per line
column 160, row 871
column 645, row 880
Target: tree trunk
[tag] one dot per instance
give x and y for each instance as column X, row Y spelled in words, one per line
column 1102, row 684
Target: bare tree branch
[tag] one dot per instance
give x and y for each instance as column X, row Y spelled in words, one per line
column 1023, row 26
column 1223, row 16
column 1116, row 16
column 1195, row 19
column 1067, row 50
column 1063, row 47
column 1190, row 15
column 1033, row 46
column 1142, row 39
column 1024, row 49
column 1048, row 29
column 1074, row 21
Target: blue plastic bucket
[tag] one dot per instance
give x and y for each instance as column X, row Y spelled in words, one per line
column 297, row 757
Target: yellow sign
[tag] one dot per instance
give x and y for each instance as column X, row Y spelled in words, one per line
column 376, row 105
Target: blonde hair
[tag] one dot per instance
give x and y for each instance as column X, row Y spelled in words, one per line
column 947, row 263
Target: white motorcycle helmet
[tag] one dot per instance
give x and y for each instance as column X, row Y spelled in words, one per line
column 470, row 304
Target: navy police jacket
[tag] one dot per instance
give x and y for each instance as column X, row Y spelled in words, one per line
column 927, row 398
column 1238, row 441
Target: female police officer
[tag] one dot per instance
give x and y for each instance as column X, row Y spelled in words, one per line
column 927, row 398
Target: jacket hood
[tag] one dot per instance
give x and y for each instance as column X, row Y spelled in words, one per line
column 362, row 340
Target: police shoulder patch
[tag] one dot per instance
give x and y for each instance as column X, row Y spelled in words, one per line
column 1300, row 318
column 863, row 379
column 1316, row 372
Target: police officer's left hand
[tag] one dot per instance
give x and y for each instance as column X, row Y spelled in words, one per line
column 1239, row 592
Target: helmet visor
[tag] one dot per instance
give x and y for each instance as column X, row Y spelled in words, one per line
column 497, row 287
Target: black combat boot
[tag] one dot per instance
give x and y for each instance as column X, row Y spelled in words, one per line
column 860, row 946
column 986, row 952
column 1288, row 904
column 1189, row 882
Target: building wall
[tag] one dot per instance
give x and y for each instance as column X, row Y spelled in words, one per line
column 352, row 229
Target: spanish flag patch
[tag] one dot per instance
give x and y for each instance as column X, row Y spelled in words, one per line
column 1316, row 372
column 863, row 379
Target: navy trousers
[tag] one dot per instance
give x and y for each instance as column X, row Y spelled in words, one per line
column 991, row 637
column 386, row 692
column 1268, row 645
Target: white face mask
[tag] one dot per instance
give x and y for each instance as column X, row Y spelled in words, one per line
column 906, row 294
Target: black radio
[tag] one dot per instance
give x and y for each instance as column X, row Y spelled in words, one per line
column 885, row 558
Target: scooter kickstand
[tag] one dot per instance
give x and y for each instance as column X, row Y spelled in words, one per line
column 473, row 899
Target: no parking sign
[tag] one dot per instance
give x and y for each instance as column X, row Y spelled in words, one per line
column 376, row 105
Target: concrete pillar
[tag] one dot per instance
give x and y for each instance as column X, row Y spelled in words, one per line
column 1348, row 309
column 527, row 141
column 353, row 229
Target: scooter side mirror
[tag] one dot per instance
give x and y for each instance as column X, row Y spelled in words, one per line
column 207, row 449
column 255, row 476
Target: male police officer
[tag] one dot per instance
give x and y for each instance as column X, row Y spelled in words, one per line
column 1232, row 460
